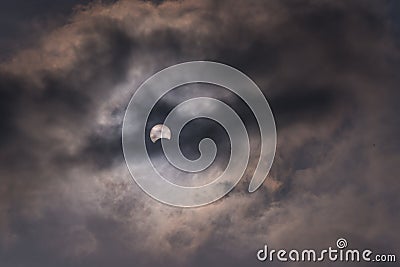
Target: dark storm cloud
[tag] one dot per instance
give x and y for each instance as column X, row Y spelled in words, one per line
column 23, row 23
column 9, row 96
column 306, row 105
column 328, row 70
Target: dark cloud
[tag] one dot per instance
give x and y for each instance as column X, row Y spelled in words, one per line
column 24, row 23
column 327, row 68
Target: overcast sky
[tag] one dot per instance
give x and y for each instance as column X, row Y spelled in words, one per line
column 329, row 69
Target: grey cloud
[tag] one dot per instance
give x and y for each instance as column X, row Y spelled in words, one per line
column 327, row 68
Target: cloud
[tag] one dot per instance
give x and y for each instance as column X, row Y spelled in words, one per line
column 328, row 70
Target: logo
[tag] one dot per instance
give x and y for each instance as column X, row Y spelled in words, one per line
column 341, row 253
column 152, row 90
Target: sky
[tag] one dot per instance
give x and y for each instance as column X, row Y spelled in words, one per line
column 329, row 70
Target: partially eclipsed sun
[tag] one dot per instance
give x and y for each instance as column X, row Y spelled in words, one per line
column 160, row 131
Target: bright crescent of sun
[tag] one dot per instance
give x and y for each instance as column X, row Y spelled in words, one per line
column 160, row 131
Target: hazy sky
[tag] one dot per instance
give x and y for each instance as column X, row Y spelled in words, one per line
column 329, row 70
